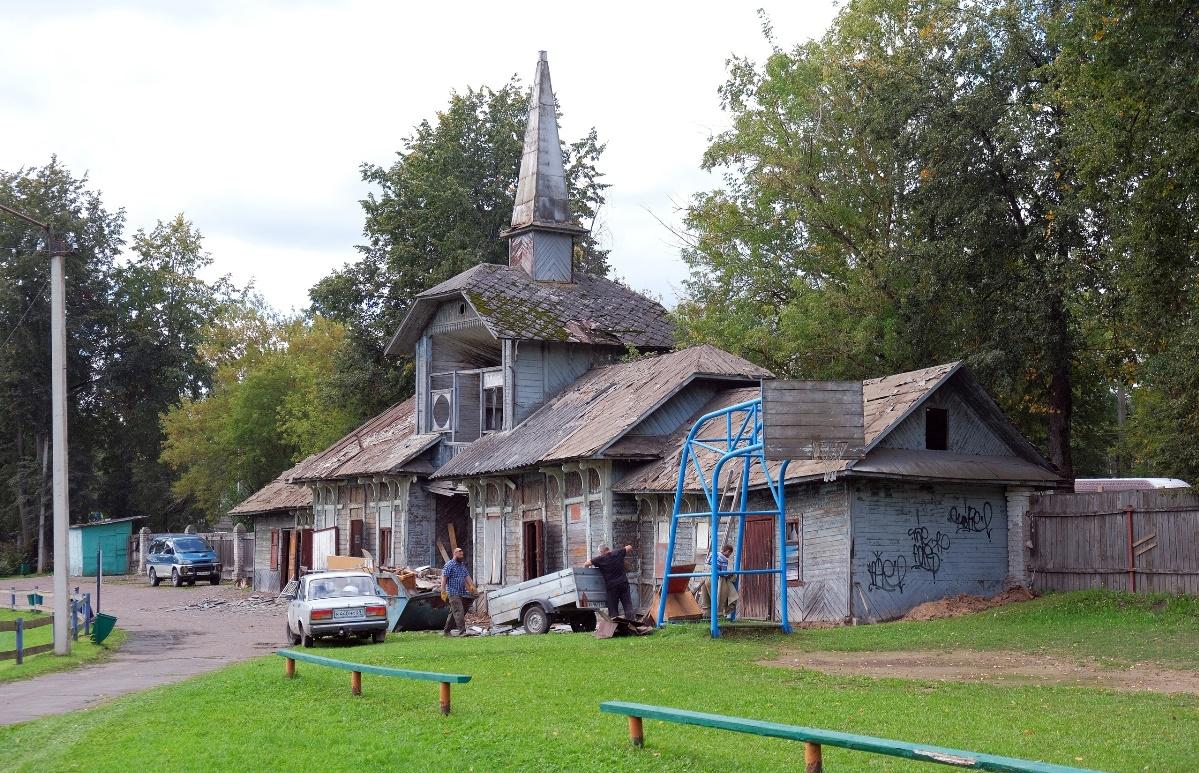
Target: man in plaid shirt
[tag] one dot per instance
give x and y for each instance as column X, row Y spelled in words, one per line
column 456, row 584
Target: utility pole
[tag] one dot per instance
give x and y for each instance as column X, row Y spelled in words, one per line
column 58, row 430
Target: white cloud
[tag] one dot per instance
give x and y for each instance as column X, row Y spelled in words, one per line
column 253, row 118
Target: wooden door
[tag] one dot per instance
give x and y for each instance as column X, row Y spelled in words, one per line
column 293, row 555
column 285, row 551
column 384, row 557
column 306, row 549
column 356, row 537
column 534, row 544
column 757, row 590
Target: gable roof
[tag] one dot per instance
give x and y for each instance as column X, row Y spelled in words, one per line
column 278, row 495
column 595, row 411
column 511, row 304
column 388, row 443
column 886, row 402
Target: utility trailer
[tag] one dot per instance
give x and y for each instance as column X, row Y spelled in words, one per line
column 571, row 595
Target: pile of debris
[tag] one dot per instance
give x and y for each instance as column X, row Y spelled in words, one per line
column 249, row 604
column 965, row 604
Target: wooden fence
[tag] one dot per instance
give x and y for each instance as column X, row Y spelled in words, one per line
column 1139, row 541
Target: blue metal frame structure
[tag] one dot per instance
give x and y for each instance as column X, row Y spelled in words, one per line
column 741, row 442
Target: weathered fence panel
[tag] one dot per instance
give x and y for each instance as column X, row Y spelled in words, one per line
column 222, row 543
column 1140, row 541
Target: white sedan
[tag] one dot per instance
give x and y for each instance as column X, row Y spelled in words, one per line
column 340, row 604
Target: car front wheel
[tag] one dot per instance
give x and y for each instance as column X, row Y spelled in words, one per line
column 154, row 579
column 176, row 580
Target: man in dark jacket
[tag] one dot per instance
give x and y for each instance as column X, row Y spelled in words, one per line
column 616, row 580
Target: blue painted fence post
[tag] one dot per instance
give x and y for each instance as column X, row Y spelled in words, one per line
column 20, row 639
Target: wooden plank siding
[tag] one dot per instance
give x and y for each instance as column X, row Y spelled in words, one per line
column 1083, row 541
column 968, row 433
column 796, row 414
column 914, row 543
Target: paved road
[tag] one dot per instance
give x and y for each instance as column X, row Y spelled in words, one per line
column 167, row 642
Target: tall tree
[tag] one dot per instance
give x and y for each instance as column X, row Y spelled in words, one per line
column 438, row 210
column 909, row 189
column 153, row 359
column 51, row 194
column 268, row 408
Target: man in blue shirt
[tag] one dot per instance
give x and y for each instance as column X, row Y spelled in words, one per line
column 456, row 585
column 726, row 594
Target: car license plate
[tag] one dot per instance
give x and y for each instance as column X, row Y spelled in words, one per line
column 355, row 613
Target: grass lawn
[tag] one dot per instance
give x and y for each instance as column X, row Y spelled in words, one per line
column 533, row 705
column 1117, row 628
column 82, row 651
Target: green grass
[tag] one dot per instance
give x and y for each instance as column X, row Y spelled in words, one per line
column 1117, row 628
column 533, row 705
column 82, row 651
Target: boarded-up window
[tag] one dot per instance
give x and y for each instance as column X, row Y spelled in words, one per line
column 493, row 495
column 551, row 487
column 574, row 485
column 493, row 543
column 593, row 479
column 936, row 429
column 274, row 550
column 356, row 537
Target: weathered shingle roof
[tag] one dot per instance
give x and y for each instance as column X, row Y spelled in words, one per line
column 886, row 402
column 278, row 495
column 511, row 304
column 388, row 443
column 596, row 410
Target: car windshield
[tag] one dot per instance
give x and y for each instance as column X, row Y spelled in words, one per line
column 336, row 587
column 191, row 545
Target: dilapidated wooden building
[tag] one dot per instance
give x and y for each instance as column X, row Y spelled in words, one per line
column 549, row 413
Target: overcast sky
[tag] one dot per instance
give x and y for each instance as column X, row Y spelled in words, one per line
column 252, row 118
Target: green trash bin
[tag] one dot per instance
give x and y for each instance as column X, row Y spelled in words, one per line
column 102, row 625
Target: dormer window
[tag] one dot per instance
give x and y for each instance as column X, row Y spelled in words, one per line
column 936, row 429
column 492, row 402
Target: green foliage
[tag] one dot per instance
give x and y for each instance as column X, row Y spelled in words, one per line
column 533, row 704
column 268, row 408
column 932, row 181
column 436, row 211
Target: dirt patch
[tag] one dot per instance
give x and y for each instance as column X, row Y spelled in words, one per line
column 965, row 604
column 999, row 668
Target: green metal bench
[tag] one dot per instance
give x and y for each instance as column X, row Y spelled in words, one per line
column 358, row 669
column 814, row 738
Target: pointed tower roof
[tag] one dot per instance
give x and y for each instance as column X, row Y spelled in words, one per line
column 541, row 198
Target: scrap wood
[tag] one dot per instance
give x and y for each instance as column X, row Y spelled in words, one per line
column 607, row 628
column 441, row 549
column 453, row 538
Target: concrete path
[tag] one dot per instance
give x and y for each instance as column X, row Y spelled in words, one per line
column 167, row 642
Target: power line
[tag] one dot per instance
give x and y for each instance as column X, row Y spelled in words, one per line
column 25, row 314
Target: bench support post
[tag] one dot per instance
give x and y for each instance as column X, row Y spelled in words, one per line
column 356, row 682
column 289, row 667
column 636, row 735
column 812, row 758
column 445, row 697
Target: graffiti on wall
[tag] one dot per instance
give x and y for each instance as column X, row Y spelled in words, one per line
column 927, row 552
column 887, row 574
column 972, row 519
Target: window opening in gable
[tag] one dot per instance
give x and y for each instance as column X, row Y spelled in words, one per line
column 936, row 429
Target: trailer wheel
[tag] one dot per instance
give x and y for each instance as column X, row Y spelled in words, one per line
column 536, row 620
